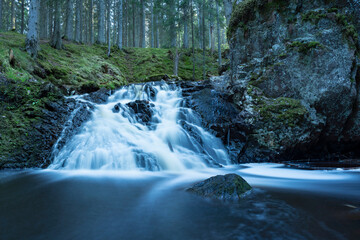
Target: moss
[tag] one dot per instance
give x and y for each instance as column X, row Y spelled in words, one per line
column 313, row 16
column 304, row 47
column 282, row 111
column 77, row 65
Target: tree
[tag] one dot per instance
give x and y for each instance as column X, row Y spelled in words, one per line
column 22, row 29
column 152, row 42
column 109, row 26
column 193, row 38
column 1, row 16
column 101, row 22
column 186, row 15
column 32, row 39
column 78, row 21
column 91, row 27
column 142, row 24
column 69, row 29
column 228, row 4
column 13, row 20
column 56, row 41
column 120, row 25
column 203, row 37
column 218, row 32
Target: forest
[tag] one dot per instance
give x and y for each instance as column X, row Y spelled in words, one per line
column 179, row 119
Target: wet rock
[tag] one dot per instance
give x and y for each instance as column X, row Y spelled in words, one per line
column 142, row 110
column 223, row 187
column 99, row 97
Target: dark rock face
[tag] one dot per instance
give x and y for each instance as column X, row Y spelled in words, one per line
column 139, row 110
column 39, row 126
column 295, row 79
column 226, row 187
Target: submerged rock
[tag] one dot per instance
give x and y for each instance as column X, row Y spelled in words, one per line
column 224, row 187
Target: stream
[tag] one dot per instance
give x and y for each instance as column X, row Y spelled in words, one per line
column 124, row 176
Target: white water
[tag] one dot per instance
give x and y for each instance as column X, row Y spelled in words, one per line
column 174, row 140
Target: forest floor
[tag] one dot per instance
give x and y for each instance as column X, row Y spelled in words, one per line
column 82, row 67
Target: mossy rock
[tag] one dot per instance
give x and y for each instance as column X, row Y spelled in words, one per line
column 223, row 187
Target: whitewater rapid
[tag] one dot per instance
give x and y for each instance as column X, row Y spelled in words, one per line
column 118, row 137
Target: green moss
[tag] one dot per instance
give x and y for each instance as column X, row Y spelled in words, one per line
column 282, row 111
column 305, row 47
column 313, row 16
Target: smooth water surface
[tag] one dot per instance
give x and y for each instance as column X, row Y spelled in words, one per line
column 285, row 204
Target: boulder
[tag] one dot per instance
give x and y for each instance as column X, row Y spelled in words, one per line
column 223, row 187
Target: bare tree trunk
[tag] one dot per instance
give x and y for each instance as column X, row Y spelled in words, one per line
column 109, row 27
column 142, row 25
column 22, row 17
column 133, row 22
column 186, row 15
column 1, row 15
column 50, row 19
column 43, row 26
column 228, row 5
column 193, row 38
column 101, row 22
column 157, row 33
column 56, row 41
column 152, row 43
column 176, row 62
column 199, row 24
column 69, row 29
column 120, row 25
column 172, row 23
column 32, row 39
column 218, row 32
column 203, row 38
column 13, row 21
column 91, row 23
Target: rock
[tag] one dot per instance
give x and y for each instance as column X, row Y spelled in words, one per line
column 140, row 110
column 294, row 72
column 99, row 97
column 223, row 187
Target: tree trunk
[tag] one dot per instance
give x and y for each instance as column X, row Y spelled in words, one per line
column 120, row 25
column 199, row 24
column 152, row 43
column 101, row 22
column 13, row 21
column 69, row 29
column 44, row 19
column 186, row 15
column 78, row 21
column 1, row 16
column 193, row 38
column 203, row 38
column 91, row 23
column 22, row 17
column 133, row 21
column 56, row 41
column 228, row 4
column 157, row 32
column 142, row 25
column 176, row 62
column 218, row 32
column 32, row 39
column 109, row 27
column 50, row 22
column 172, row 23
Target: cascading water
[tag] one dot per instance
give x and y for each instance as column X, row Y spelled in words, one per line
column 146, row 127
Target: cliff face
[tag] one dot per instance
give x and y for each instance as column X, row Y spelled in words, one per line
column 295, row 76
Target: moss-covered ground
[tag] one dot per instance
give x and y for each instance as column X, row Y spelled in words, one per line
column 79, row 65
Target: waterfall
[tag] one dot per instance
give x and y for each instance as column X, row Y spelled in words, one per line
column 142, row 127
